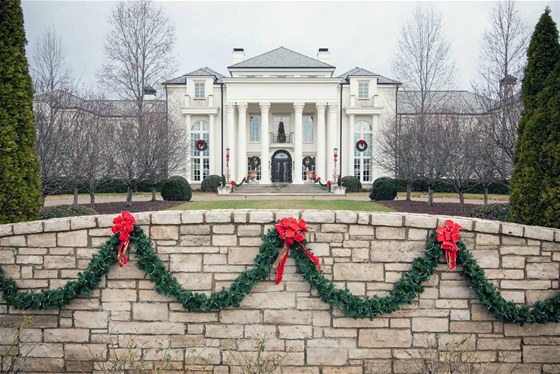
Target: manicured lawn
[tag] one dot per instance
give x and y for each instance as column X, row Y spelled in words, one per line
column 364, row 206
column 453, row 195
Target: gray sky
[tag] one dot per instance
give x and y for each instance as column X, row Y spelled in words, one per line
column 361, row 33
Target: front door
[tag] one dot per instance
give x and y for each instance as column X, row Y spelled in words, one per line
column 281, row 167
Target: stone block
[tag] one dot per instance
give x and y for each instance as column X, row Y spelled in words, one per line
column 486, row 239
column 384, row 338
column 486, row 226
column 541, row 354
column 224, row 240
column 196, row 241
column 471, row 327
column 524, row 284
column 455, row 290
column 515, row 262
column 195, row 230
column 505, row 274
column 315, row 216
column 41, row 349
column 395, row 251
column 287, row 317
column 223, row 229
column 294, row 332
column 422, row 221
column 495, row 344
column 541, row 270
column 324, row 356
column 85, row 222
column 152, row 328
column 166, row 218
column 383, row 233
column 218, row 216
column 77, row 352
column 358, row 272
column 118, row 295
column 242, row 255
column 250, row 242
column 261, row 217
column 42, row 240
column 249, row 230
column 520, row 250
column 246, row 317
column 27, row 227
column 387, row 219
column 195, row 281
column 417, row 234
column 551, row 329
column 192, row 217
column 13, row 241
column 270, row 301
column 72, row 239
column 6, row 230
column 150, row 312
column 59, row 262
column 40, row 364
column 487, row 258
column 420, row 324
column 224, row 331
column 164, row 232
column 346, row 216
column 185, row 263
column 91, row 320
column 360, row 231
column 539, row 233
column 62, row 335
column 512, row 229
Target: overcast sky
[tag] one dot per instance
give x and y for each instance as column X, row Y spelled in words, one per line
column 361, row 33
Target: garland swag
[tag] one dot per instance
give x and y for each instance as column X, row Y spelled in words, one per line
column 404, row 291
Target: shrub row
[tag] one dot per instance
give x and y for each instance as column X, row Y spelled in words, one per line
column 499, row 188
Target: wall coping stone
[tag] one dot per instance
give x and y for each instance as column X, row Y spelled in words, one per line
column 264, row 216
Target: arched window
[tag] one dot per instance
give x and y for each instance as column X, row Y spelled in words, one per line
column 362, row 160
column 200, row 160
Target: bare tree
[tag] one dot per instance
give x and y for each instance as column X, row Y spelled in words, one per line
column 423, row 63
column 502, row 60
column 54, row 89
column 138, row 52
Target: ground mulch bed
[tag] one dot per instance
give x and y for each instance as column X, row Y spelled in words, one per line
column 449, row 209
column 137, row 206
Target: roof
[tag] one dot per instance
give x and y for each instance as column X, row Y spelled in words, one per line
column 281, row 58
column 461, row 102
column 202, row 72
column 358, row 71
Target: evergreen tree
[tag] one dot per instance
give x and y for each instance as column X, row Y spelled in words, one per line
column 20, row 189
column 526, row 202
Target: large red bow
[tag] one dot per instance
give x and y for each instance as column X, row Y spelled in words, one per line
column 123, row 224
column 448, row 236
column 362, row 143
column 290, row 231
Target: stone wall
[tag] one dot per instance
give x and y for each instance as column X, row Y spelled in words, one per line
column 206, row 250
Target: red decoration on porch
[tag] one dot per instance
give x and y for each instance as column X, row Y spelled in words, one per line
column 123, row 224
column 289, row 231
column 329, row 183
column 448, row 236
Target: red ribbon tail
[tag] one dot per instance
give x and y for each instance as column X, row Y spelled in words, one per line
column 119, row 254
column 280, row 271
column 313, row 258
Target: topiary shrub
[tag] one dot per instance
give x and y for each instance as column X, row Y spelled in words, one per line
column 176, row 189
column 211, row 183
column 495, row 212
column 383, row 189
column 351, row 183
column 60, row 211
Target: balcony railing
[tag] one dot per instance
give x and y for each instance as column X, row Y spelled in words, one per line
column 274, row 138
column 199, row 102
column 362, row 101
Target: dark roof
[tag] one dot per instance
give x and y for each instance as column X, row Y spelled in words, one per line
column 461, row 102
column 281, row 58
column 358, row 71
column 202, row 72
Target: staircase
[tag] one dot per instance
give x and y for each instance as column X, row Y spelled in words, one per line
column 283, row 189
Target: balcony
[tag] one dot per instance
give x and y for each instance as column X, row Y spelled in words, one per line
column 363, row 105
column 275, row 140
column 199, row 105
column 362, row 102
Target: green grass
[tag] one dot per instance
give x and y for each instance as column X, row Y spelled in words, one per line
column 454, row 195
column 364, row 206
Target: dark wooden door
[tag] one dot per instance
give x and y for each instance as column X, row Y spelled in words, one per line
column 281, row 167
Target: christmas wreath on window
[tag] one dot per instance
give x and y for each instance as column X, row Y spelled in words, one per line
column 254, row 162
column 309, row 163
column 201, row 145
column 361, row 145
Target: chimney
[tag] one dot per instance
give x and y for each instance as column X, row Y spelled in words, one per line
column 324, row 55
column 238, row 55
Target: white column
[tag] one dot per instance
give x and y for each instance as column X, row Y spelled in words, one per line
column 298, row 146
column 214, row 146
column 189, row 148
column 351, row 146
column 230, row 138
column 331, row 141
column 265, row 156
column 321, row 159
column 242, row 143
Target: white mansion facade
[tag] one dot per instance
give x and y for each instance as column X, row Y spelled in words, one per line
column 279, row 117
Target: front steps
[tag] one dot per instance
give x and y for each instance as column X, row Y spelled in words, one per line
column 280, row 189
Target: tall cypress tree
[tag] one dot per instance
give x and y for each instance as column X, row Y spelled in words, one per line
column 20, row 189
column 526, row 203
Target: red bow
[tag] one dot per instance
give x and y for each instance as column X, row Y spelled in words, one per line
column 448, row 236
column 123, row 225
column 362, row 143
column 329, row 183
column 200, row 143
column 290, row 231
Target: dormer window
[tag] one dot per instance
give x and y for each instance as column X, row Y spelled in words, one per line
column 363, row 90
column 199, row 90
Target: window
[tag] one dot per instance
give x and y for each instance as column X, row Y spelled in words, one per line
column 362, row 160
column 199, row 90
column 200, row 160
column 255, row 128
column 281, row 129
column 307, row 129
column 363, row 90
column 254, row 168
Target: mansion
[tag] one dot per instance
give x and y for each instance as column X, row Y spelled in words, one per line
column 280, row 117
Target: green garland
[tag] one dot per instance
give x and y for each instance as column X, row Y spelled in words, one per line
column 404, row 291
